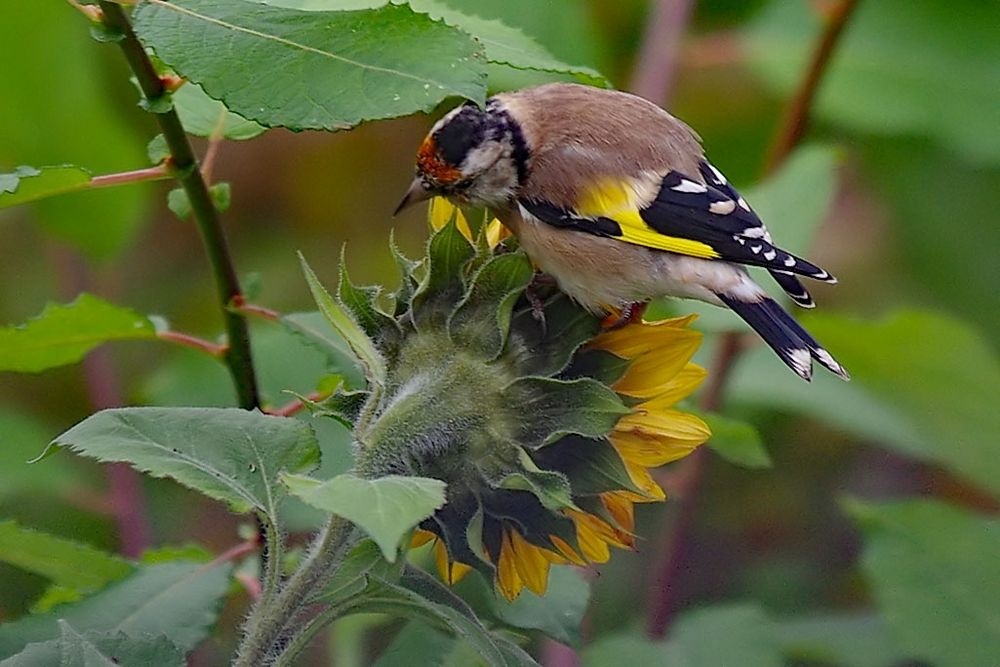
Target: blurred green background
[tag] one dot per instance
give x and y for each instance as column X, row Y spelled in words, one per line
column 893, row 191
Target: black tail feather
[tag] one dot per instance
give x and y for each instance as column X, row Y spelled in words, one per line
column 794, row 288
column 793, row 344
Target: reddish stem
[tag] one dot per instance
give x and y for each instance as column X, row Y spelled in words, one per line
column 157, row 173
column 239, row 304
column 235, row 553
column 295, row 406
column 187, row 340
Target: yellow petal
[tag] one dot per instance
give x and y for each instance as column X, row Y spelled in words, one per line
column 441, row 213
column 421, row 537
column 508, row 581
column 654, row 369
column 642, row 479
column 621, row 508
column 594, row 536
column 496, row 232
column 635, row 339
column 458, row 572
column 451, row 571
column 649, row 451
column 668, row 423
column 566, row 551
column 531, row 564
column 676, row 388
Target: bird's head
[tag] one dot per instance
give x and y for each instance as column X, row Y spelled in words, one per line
column 472, row 156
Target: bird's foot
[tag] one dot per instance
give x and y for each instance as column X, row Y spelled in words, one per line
column 630, row 314
column 535, row 299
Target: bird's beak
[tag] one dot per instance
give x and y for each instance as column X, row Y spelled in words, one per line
column 416, row 193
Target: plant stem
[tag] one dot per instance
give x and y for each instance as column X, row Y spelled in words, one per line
column 656, row 65
column 238, row 358
column 267, row 635
column 665, row 603
column 157, row 173
column 187, row 340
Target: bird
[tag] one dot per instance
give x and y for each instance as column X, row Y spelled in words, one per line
column 613, row 198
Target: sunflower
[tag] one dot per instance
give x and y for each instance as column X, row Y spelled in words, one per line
column 543, row 425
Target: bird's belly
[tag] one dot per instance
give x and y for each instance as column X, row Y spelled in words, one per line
column 599, row 272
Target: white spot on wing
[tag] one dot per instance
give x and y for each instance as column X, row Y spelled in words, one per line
column 718, row 174
column 724, row 207
column 754, row 232
column 743, row 204
column 755, row 249
column 770, row 254
column 689, row 186
column 789, row 261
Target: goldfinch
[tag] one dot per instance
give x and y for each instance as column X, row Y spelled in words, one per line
column 614, row 198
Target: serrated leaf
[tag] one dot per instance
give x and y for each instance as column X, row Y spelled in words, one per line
column 547, row 348
column 407, row 284
column 177, row 600
column 100, row 650
column 736, row 441
column 554, row 408
column 482, row 319
column 386, row 508
column 346, row 327
column 558, row 613
column 447, row 253
column 935, row 577
column 27, row 184
column 316, row 331
column 61, row 561
column 381, row 52
column 204, row 117
column 352, row 575
column 64, row 334
column 503, row 44
column 362, row 303
column 231, row 455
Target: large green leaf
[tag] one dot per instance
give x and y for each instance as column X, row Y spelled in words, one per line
column 737, row 441
column 98, row 649
column 386, row 508
column 61, row 561
column 936, row 577
column 942, row 376
column 936, row 72
column 558, row 613
column 76, row 122
column 228, row 454
column 26, row 184
column 502, row 44
column 178, row 600
column 820, row 640
column 313, row 70
column 204, row 117
column 64, row 334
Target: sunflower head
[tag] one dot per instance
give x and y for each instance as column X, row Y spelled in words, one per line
column 542, row 425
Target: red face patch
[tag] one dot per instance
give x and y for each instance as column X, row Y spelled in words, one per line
column 431, row 165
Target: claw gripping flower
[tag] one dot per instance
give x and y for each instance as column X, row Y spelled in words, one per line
column 542, row 426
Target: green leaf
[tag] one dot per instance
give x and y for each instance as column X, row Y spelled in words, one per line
column 820, row 640
column 177, row 600
column 98, row 649
column 204, row 117
column 76, row 122
column 592, row 466
column 346, row 327
column 551, row 488
column 737, row 441
column 386, row 508
column 61, row 561
column 23, row 437
column 315, row 330
column 362, row 302
column 228, row 454
column 503, row 44
column 936, row 578
column 624, row 649
column 482, row 319
column 64, row 334
column 910, row 70
column 547, row 349
column 300, row 62
column 942, row 376
column 455, row 618
column 554, row 408
column 353, row 574
column 157, row 149
column 419, row 644
column 179, row 204
column 447, row 253
column 27, row 184
column 558, row 613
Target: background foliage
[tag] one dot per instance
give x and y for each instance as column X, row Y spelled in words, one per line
column 870, row 512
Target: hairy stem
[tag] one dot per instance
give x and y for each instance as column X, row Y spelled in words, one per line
column 268, row 632
column 665, row 603
column 237, row 357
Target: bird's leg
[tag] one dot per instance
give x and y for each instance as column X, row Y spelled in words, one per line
column 531, row 294
column 630, row 314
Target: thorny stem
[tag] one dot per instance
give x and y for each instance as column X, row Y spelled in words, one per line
column 269, row 632
column 238, row 358
column 664, row 605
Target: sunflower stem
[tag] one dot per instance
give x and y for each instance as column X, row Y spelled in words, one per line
column 268, row 637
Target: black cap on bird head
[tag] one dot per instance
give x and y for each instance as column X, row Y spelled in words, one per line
column 463, row 146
